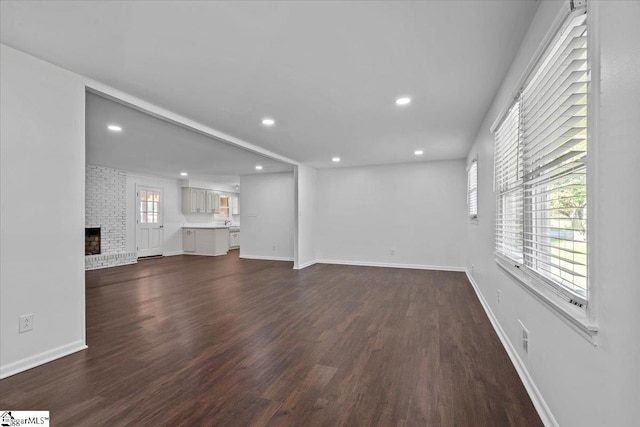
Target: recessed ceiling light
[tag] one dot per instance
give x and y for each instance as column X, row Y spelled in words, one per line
column 258, row 167
column 403, row 101
column 418, row 152
column 335, row 159
column 114, row 128
column 268, row 122
column 183, row 173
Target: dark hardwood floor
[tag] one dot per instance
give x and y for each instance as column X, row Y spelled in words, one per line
column 201, row 341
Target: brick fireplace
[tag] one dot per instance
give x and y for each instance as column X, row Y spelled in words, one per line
column 92, row 241
column 105, row 238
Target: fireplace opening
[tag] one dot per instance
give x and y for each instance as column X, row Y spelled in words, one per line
column 92, row 241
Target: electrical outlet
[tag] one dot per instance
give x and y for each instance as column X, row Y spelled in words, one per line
column 525, row 337
column 25, row 323
column 499, row 296
column 393, row 252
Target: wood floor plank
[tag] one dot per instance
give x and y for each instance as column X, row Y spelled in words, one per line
column 189, row 340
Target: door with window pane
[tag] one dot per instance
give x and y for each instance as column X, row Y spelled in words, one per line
column 149, row 221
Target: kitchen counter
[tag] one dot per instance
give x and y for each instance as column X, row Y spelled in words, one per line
column 205, row 240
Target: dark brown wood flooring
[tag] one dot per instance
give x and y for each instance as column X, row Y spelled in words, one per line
column 201, row 341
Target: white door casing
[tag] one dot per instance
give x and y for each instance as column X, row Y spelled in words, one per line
column 149, row 221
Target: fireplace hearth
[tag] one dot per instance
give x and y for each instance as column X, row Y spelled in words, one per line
column 92, row 241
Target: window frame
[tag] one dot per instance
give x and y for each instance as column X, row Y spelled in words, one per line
column 509, row 185
column 582, row 320
column 226, row 208
column 473, row 168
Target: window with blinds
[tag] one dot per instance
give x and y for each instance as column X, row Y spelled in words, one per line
column 508, row 182
column 541, row 149
column 472, row 190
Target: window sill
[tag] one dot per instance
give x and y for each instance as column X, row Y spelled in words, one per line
column 575, row 317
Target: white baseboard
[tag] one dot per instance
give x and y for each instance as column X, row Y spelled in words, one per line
column 306, row 264
column 391, row 265
column 268, row 258
column 536, row 397
column 40, row 359
column 172, row 253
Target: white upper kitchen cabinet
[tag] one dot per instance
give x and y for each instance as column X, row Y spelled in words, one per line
column 199, row 200
column 194, row 200
column 213, row 202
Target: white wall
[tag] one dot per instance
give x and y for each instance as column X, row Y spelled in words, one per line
column 582, row 384
column 267, row 216
column 416, row 209
column 42, row 213
column 307, row 204
column 225, row 188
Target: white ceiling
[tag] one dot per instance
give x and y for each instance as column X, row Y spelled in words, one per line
column 153, row 146
column 328, row 72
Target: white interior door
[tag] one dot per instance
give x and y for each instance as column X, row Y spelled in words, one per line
column 149, row 221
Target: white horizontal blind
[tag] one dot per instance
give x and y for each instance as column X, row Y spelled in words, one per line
column 472, row 189
column 508, row 182
column 554, row 148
